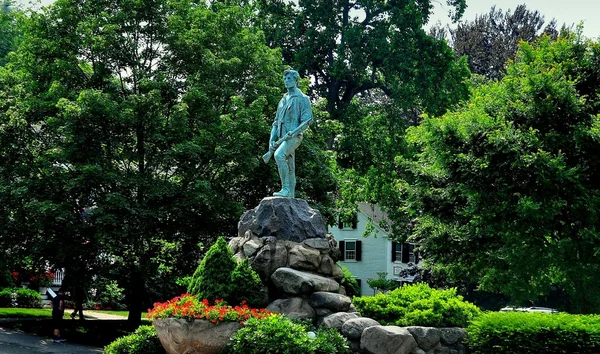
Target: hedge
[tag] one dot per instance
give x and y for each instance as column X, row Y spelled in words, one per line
column 540, row 333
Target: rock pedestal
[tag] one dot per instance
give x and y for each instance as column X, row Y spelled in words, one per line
column 286, row 243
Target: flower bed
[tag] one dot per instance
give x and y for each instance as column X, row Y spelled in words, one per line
column 190, row 307
column 186, row 324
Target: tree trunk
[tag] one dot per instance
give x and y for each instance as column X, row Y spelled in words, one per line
column 137, row 294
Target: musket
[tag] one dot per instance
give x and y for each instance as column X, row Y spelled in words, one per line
column 266, row 157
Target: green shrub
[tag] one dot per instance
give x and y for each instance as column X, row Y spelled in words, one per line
column 349, row 283
column 28, row 298
column 219, row 276
column 418, row 305
column 143, row 341
column 540, row 333
column 277, row 334
column 6, row 297
column 246, row 286
column 212, row 279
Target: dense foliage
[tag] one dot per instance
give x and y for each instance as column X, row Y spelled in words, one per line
column 219, row 276
column 212, row 278
column 191, row 307
column 143, row 341
column 130, row 131
column 540, row 333
column 349, row 283
column 277, row 334
column 491, row 40
column 418, row 305
column 505, row 191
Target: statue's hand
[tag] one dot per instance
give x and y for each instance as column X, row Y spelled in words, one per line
column 272, row 146
column 288, row 135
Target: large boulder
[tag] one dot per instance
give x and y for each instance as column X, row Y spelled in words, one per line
column 306, row 258
column 387, row 340
column 269, row 258
column 332, row 301
column 427, row 337
column 285, row 218
column 293, row 281
column 337, row 320
column 353, row 328
column 296, row 308
column 451, row 335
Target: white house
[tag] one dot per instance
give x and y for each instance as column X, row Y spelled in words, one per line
column 366, row 256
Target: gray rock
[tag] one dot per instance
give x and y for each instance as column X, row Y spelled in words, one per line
column 268, row 259
column 353, row 328
column 295, row 307
column 235, row 244
column 451, row 335
column 443, row 350
column 252, row 246
column 317, row 243
column 321, row 313
column 336, row 320
column 337, row 272
column 418, row 350
column 387, row 339
column 342, row 290
column 427, row 337
column 293, row 281
column 326, row 266
column 285, row 218
column 334, row 302
column 305, row 258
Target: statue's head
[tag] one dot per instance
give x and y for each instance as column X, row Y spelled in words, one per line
column 290, row 78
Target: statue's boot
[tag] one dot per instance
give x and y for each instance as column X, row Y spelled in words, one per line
column 284, row 174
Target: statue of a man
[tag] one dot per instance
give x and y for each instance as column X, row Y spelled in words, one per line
column 293, row 116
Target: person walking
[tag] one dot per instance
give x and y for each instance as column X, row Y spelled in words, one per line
column 58, row 311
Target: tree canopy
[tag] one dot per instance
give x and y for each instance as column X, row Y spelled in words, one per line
column 131, row 131
column 505, row 191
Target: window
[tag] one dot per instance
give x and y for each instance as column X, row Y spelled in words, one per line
column 348, row 224
column 351, row 250
column 404, row 252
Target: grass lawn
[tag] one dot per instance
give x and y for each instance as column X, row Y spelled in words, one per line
column 92, row 332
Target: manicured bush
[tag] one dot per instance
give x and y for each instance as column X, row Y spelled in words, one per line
column 28, row 298
column 349, row 283
column 143, row 341
column 220, row 277
column 276, row 334
column 6, row 297
column 540, row 333
column 212, row 279
column 246, row 286
column 418, row 305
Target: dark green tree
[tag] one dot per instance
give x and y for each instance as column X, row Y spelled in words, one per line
column 349, row 48
column 491, row 39
column 130, row 131
column 505, row 191
column 212, row 278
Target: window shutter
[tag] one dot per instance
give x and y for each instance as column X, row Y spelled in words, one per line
column 342, row 245
column 340, row 223
column 393, row 251
column 405, row 253
column 354, row 221
column 416, row 257
column 358, row 250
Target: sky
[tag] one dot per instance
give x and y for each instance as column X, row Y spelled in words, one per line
column 569, row 12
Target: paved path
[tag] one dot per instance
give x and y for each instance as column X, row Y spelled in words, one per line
column 15, row 342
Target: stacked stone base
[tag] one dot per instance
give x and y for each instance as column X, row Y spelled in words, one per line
column 285, row 242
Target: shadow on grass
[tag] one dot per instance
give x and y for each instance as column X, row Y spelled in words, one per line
column 98, row 333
